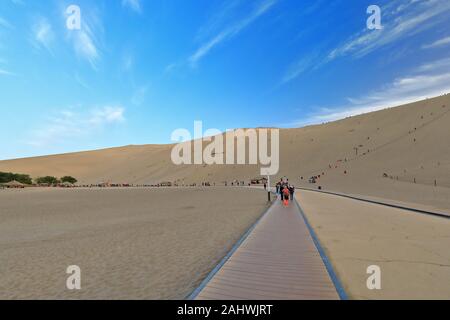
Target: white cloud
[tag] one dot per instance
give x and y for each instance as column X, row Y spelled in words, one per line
column 307, row 62
column 127, row 62
column 81, row 81
column 428, row 80
column 134, row 5
column 434, row 65
column 5, row 23
column 85, row 41
column 139, row 95
column 231, row 31
column 223, row 14
column 398, row 23
column 6, row 73
column 170, row 67
column 438, row 43
column 69, row 124
column 85, row 47
column 42, row 34
column 401, row 19
column 106, row 115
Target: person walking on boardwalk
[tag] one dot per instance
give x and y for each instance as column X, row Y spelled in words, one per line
column 285, row 196
column 291, row 192
column 280, row 192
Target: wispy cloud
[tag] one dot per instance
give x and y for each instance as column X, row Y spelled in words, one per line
column 231, row 31
column 6, row 73
column 401, row 19
column 86, row 48
column 438, row 43
column 81, row 81
column 134, row 5
column 18, row 2
column 169, row 68
column 5, row 23
column 224, row 14
column 433, row 66
column 139, row 95
column 69, row 124
column 127, row 62
column 42, row 34
column 428, row 80
column 307, row 62
column 398, row 23
column 85, row 41
column 106, row 115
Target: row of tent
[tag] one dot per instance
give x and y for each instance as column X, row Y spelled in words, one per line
column 13, row 184
column 18, row 185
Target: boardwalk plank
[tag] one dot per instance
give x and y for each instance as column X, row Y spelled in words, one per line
column 278, row 260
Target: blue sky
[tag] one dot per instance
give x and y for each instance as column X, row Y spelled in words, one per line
column 139, row 69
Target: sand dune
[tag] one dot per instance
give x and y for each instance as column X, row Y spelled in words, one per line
column 406, row 143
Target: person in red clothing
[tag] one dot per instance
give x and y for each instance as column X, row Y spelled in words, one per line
column 286, row 195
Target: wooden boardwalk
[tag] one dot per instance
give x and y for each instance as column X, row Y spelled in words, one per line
column 277, row 260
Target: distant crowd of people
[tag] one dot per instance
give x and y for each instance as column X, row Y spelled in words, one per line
column 285, row 191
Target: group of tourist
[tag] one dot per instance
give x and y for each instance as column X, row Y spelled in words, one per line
column 285, row 191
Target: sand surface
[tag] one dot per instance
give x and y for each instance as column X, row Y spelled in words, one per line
column 411, row 249
column 129, row 243
column 405, row 143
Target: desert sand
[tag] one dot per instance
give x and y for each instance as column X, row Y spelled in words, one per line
column 411, row 249
column 405, row 143
column 129, row 243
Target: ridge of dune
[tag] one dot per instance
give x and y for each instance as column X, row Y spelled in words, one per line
column 403, row 143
